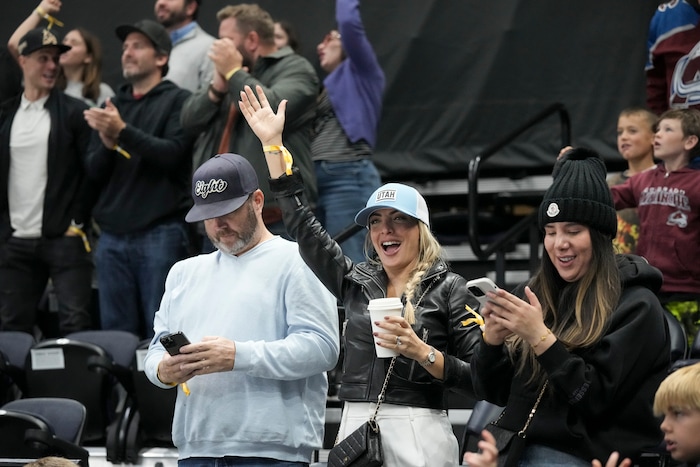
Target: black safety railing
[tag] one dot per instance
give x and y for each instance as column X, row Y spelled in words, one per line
column 509, row 237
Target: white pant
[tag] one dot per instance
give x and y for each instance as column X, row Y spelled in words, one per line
column 411, row 436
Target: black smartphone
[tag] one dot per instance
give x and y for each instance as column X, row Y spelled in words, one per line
column 173, row 342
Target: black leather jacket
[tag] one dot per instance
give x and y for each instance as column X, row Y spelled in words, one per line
column 441, row 315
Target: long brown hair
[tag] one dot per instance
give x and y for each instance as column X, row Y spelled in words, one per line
column 92, row 72
column 576, row 312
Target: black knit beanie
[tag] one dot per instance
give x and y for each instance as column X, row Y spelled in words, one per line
column 579, row 193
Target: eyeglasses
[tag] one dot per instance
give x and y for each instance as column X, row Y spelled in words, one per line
column 330, row 36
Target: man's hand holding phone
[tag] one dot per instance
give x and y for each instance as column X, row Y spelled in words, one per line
column 173, row 342
column 166, row 369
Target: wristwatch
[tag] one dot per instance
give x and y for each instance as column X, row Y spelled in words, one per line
column 430, row 359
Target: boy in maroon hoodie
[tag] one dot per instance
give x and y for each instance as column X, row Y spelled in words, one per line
column 668, row 202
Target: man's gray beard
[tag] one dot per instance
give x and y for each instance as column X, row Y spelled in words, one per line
column 248, row 234
column 233, row 250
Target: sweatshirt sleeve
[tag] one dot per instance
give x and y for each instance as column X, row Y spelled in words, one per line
column 312, row 342
column 171, row 148
column 624, row 195
column 354, row 38
column 593, row 379
column 492, row 373
column 656, row 86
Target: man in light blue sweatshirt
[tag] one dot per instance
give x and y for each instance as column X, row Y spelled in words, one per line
column 252, row 384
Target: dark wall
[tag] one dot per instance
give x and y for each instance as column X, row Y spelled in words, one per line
column 460, row 73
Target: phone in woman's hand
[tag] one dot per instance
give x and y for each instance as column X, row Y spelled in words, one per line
column 477, row 288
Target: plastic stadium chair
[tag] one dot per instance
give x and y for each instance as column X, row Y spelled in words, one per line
column 693, row 356
column 150, row 425
column 89, row 367
column 14, row 348
column 37, row 427
column 679, row 338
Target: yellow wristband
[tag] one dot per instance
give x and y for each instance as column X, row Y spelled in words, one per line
column 78, row 230
column 232, row 72
column 122, row 151
column 41, row 12
column 159, row 379
column 286, row 155
column 542, row 338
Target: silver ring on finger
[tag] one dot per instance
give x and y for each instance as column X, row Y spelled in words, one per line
column 398, row 341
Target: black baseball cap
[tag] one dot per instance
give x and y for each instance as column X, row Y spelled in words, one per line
column 220, row 186
column 39, row 38
column 155, row 32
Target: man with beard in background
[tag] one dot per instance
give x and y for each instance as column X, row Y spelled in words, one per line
column 246, row 54
column 141, row 158
column 190, row 68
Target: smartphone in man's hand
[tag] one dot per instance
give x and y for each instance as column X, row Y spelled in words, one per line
column 173, row 342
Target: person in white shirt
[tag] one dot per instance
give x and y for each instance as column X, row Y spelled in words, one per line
column 45, row 197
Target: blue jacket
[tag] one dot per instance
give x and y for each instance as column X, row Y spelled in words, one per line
column 355, row 87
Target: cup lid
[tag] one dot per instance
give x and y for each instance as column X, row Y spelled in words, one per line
column 385, row 303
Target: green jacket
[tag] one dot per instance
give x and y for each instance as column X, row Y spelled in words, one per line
column 282, row 75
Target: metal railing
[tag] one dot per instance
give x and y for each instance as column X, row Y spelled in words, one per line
column 509, row 237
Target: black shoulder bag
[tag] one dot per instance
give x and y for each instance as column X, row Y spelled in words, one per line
column 362, row 447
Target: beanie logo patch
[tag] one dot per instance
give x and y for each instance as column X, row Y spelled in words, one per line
column 553, row 210
column 204, row 189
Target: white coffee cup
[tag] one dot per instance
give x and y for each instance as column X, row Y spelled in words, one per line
column 378, row 309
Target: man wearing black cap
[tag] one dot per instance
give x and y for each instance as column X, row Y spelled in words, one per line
column 140, row 156
column 263, row 331
column 44, row 194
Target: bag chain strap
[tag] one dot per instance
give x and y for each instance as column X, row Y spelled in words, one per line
column 521, row 433
column 380, row 398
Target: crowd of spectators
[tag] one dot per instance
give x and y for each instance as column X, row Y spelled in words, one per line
column 96, row 183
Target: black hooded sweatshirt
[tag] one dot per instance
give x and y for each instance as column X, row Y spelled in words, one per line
column 599, row 399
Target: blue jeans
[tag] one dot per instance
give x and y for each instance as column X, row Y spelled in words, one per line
column 343, row 189
column 236, row 461
column 131, row 272
column 542, row 456
column 25, row 267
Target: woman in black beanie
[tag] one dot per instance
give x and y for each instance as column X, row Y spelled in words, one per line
column 586, row 336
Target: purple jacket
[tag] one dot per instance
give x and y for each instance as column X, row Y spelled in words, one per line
column 355, row 87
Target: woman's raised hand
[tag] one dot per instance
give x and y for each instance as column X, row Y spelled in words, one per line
column 50, row 6
column 266, row 124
